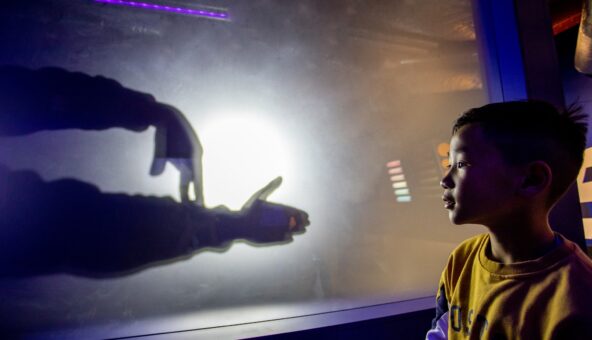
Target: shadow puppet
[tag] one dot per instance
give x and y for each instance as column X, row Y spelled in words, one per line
column 71, row 226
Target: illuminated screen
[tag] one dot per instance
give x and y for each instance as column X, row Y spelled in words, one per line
column 349, row 102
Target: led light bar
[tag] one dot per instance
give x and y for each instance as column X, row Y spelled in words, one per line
column 210, row 14
column 399, row 184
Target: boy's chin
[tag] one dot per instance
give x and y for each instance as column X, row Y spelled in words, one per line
column 460, row 219
column 456, row 218
column 455, row 213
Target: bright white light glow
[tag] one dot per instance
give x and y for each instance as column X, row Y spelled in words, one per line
column 402, row 192
column 400, row 185
column 394, row 171
column 242, row 153
column 397, row 178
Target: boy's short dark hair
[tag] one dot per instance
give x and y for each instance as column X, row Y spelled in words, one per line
column 526, row 131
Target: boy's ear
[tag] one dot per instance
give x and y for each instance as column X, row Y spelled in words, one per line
column 537, row 178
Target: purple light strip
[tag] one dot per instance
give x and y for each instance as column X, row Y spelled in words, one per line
column 180, row 10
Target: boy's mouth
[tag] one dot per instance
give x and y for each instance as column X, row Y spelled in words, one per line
column 448, row 202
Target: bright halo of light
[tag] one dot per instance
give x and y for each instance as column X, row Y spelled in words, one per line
column 241, row 155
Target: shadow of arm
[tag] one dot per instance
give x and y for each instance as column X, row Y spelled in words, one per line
column 68, row 225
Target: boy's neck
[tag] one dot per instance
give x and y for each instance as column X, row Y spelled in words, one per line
column 520, row 242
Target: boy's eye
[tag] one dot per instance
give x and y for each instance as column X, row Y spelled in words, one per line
column 461, row 164
column 458, row 165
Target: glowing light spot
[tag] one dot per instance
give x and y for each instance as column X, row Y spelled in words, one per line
column 241, row 155
column 402, row 192
column 393, row 164
column 398, row 185
column 404, row 199
column 221, row 15
column 395, row 171
column 398, row 178
column 443, row 149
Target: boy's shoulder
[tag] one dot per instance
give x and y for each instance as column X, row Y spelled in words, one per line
column 463, row 256
column 469, row 246
column 580, row 262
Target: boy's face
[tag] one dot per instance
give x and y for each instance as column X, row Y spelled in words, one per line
column 479, row 186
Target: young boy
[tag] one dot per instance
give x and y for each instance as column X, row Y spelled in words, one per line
column 509, row 164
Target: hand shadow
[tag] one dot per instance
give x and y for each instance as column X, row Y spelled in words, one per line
column 70, row 226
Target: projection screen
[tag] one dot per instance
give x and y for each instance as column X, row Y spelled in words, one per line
column 350, row 102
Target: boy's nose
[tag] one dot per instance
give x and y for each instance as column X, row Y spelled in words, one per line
column 446, row 182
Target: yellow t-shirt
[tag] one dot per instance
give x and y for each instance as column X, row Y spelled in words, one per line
column 546, row 298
